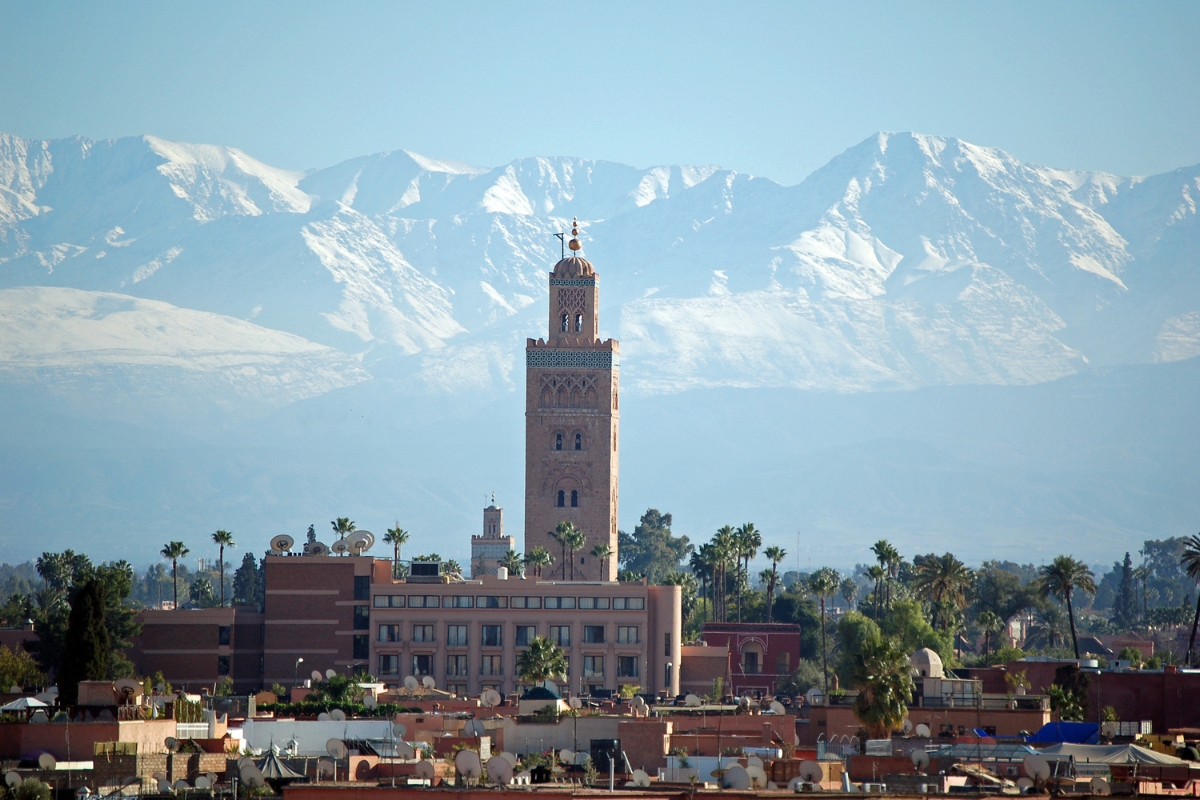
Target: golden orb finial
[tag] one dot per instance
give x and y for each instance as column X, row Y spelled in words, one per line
column 574, row 243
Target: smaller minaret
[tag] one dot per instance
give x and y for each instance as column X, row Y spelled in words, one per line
column 488, row 549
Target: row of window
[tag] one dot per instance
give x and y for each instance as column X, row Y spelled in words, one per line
column 561, row 500
column 493, row 635
column 457, row 667
column 492, row 601
column 558, row 441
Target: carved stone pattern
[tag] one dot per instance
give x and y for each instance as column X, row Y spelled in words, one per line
column 570, row 300
column 568, row 391
column 572, row 281
column 570, row 359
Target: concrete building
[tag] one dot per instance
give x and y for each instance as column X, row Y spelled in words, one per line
column 571, row 421
column 761, row 655
column 493, row 545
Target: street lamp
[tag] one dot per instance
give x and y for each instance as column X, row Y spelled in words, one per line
column 296, row 671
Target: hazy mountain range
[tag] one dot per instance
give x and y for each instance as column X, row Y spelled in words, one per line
column 925, row 340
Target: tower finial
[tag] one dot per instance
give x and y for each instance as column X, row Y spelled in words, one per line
column 574, row 243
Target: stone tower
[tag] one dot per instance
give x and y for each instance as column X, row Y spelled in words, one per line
column 493, row 545
column 571, row 424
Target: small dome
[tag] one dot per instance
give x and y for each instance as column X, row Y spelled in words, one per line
column 574, row 267
column 927, row 663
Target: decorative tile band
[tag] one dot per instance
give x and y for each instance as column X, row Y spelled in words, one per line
column 572, row 281
column 577, row 359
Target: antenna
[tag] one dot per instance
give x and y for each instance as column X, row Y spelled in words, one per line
column 337, row 715
column 778, row 707
column 172, row 744
column 562, row 244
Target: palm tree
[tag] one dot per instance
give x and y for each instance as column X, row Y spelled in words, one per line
column 602, row 551
column 1190, row 560
column 723, row 550
column 537, row 558
column 512, row 562
column 541, row 661
column 452, row 567
column 700, row 563
column 824, row 583
column 942, row 581
column 396, row 537
column 1060, row 578
column 223, row 539
column 877, row 574
column 989, row 622
column 343, row 526
column 747, row 540
column 885, row 688
column 1142, row 575
column 776, row 554
column 560, row 534
column 849, row 591
column 175, row 551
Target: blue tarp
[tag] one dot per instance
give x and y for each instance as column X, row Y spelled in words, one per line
column 1068, row 733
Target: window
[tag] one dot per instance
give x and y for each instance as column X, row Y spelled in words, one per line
column 389, row 633
column 491, row 665
column 627, row 634
column 380, row 601
column 222, row 665
column 222, row 635
column 783, row 663
column 593, row 602
column 579, row 441
column 593, row 634
column 627, row 666
column 560, row 602
column 493, row 602
column 422, row 664
column 491, row 636
column 456, row 666
column 389, row 665
column 527, row 602
column 566, row 321
column 526, row 634
column 262, row 664
column 362, row 646
column 750, row 663
column 629, row 603
column 362, row 587
column 386, row 600
column 561, row 498
column 362, row 618
column 422, row 633
column 593, row 666
column 560, row 635
column 574, row 498
column 558, row 441
column 456, row 636
column 460, row 601
column 423, row 601
column 459, row 689
column 579, row 323
column 667, row 644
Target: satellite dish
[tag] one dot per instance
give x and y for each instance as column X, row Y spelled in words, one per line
column 796, row 784
column 336, row 748
column 575, row 702
column 473, row 728
column 639, row 702
column 692, row 701
column 566, row 756
column 758, row 778
column 509, row 757
column 164, row 787
column 337, row 715
column 171, row 743
column 282, row 543
column 920, row 759
column 405, row 750
column 360, row 541
column 499, row 770
column 12, row 779
column 212, row 778
column 778, row 707
column 180, row 785
column 202, row 782
column 410, row 683
column 324, row 716
column 735, row 777
column 1024, row 784
column 243, row 762
column 316, row 549
column 325, row 768
column 256, row 779
column 1100, row 786
column 811, row 772
column 370, row 702
column 491, row 697
column 330, row 673
column 1036, row 767
column 399, row 729
column 753, row 761
column 428, row 682
column 340, row 547
column 468, row 764
column 641, row 778
column 317, row 676
column 424, row 770
column 130, row 687
column 922, row 730
column 907, row 727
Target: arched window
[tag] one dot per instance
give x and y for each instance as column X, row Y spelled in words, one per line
column 561, row 498
column 579, row 441
column 566, row 321
column 558, row 441
column 574, row 498
column 579, row 323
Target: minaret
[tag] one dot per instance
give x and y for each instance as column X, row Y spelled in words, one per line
column 571, row 424
column 493, row 545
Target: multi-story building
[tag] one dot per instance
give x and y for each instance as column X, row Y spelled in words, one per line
column 467, row 635
column 761, row 655
column 493, row 545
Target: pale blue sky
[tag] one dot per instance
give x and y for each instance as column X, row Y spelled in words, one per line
column 770, row 89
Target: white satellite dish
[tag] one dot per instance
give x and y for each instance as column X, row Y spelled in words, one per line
column 499, row 770
column 467, row 763
column 641, row 778
column 758, row 778
column 282, row 543
column 566, row 756
column 425, row 770
column 692, row 701
column 1024, row 784
column 490, row 697
column 202, row 782
column 324, row 716
column 907, row 727
column 753, row 761
column 405, row 750
column 639, row 702
column 811, row 772
column 13, row 779
column 360, row 541
column 370, row 702
column 399, row 729
column 130, row 687
column 512, row 759
column 1100, row 786
column 317, row 676
column 340, row 547
column 735, row 777
column 47, row 761
column 922, row 730
column 411, row 683
column 172, row 744
column 796, row 784
column 330, row 673
column 336, row 748
column 164, row 786
column 778, row 707
column 428, row 682
column 325, row 768
column 337, row 715
column 1036, row 767
column 575, row 702
column 212, row 778
column 256, row 778
column 920, row 759
column 242, row 762
column 473, row 728
column 180, row 785
column 316, row 549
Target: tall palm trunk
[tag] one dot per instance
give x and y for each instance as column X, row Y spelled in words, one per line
column 175, row 582
column 824, row 653
column 1192, row 640
column 1071, row 616
column 221, row 567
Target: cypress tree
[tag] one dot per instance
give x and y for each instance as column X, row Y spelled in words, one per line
column 87, row 653
column 1125, row 605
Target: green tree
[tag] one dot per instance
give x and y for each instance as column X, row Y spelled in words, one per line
column 885, row 688
column 201, row 592
column 1069, row 693
column 560, row 534
column 538, row 559
column 247, row 583
column 652, row 550
column 907, row 625
column 724, row 549
column 575, row 540
column 1060, row 578
column 877, row 574
column 989, row 622
column 32, row 789
column 603, row 552
column 855, row 631
column 512, row 562
column 18, row 668
column 824, row 584
column 775, row 554
column 747, row 540
column 396, row 537
column 1125, row 604
column 173, row 551
column 889, row 562
column 942, row 581
column 541, row 661
column 849, row 591
column 806, row 675
column 87, row 649
column 343, row 526
column 223, row 539
column 1190, row 560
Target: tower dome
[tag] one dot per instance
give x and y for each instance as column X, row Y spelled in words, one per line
column 927, row 663
column 573, row 267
